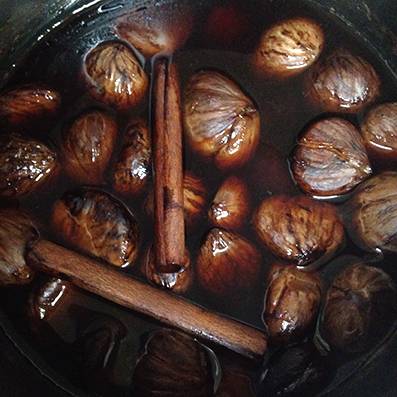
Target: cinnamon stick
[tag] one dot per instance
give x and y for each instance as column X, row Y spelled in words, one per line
column 168, row 170
column 157, row 303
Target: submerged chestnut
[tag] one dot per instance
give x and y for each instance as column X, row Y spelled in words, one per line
column 88, row 145
column 97, row 224
column 343, row 82
column 114, row 76
column 289, row 47
column 227, row 263
column 360, row 307
column 299, row 229
column 194, row 197
column 174, row 364
column 220, row 121
column 371, row 214
column 330, row 158
column 25, row 164
column 292, row 301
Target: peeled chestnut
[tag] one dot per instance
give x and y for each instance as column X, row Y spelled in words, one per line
column 174, row 364
column 227, row 263
column 87, row 146
column 330, row 158
column 220, row 121
column 289, row 47
column 343, row 82
column 230, row 206
column 16, row 232
column 133, row 167
column 292, row 301
column 194, row 197
column 360, row 307
column 299, row 229
column 114, row 76
column 28, row 103
column 97, row 224
column 25, row 164
column 371, row 214
column 379, row 131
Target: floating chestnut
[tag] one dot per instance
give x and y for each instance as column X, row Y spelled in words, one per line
column 97, row 224
column 227, row 263
column 292, row 301
column 114, row 76
column 343, row 82
column 289, row 47
column 330, row 158
column 87, row 146
column 360, row 307
column 299, row 229
column 220, row 121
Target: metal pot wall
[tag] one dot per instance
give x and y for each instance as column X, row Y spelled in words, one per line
column 22, row 24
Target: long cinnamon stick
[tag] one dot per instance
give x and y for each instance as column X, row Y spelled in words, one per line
column 168, row 170
column 159, row 304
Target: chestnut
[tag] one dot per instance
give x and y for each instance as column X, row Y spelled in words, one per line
column 87, row 146
column 343, row 82
column 133, row 167
column 194, row 197
column 330, row 158
column 16, row 232
column 292, row 302
column 360, row 308
column 25, row 164
column 227, row 263
column 288, row 47
column 299, row 229
column 220, row 121
column 174, row 364
column 230, row 206
column 371, row 213
column 114, row 76
column 379, row 131
column 97, row 224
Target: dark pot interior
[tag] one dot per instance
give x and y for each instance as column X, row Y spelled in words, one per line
column 24, row 373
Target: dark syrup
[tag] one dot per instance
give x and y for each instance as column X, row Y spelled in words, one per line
column 284, row 108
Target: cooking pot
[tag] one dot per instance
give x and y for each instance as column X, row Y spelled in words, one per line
column 24, row 23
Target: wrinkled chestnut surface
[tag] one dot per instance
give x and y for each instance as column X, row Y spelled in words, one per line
column 174, row 364
column 114, row 76
column 133, row 168
column 25, row 164
column 360, row 307
column 292, row 301
column 289, row 47
column 343, row 82
column 97, row 224
column 227, row 263
column 330, row 158
column 88, row 145
column 194, row 197
column 371, row 213
column 299, row 229
column 220, row 121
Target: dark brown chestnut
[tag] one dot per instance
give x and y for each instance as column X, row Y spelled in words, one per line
column 299, row 229
column 174, row 364
column 114, row 76
column 220, row 121
column 227, row 263
column 87, row 146
column 330, row 158
column 25, row 164
column 97, row 224
column 194, row 197
column 292, row 301
column 133, row 167
column 288, row 47
column 360, row 307
column 343, row 82
column 371, row 213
